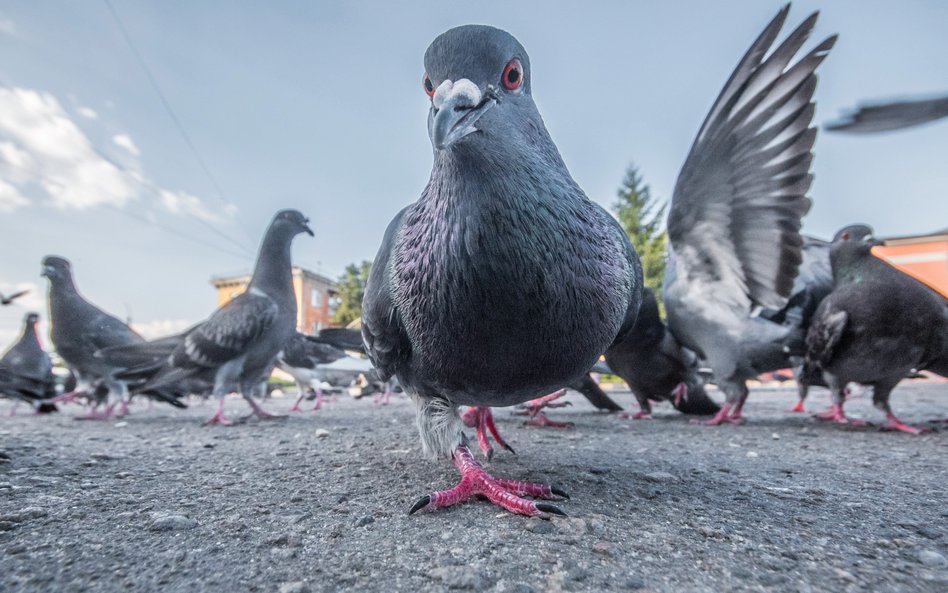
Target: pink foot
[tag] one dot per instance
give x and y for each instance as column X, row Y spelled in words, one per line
column 218, row 417
column 681, row 394
column 482, row 420
column 296, row 405
column 123, row 409
column 94, row 414
column 503, row 493
column 261, row 413
column 319, row 400
column 640, row 415
column 893, row 423
column 534, row 409
column 797, row 407
column 835, row 414
column 66, row 398
column 381, row 399
column 723, row 416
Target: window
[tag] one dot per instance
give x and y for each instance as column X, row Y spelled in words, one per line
column 317, row 298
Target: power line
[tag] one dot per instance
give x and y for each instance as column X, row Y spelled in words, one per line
column 171, row 113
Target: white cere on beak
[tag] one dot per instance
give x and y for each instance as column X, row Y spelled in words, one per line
column 468, row 93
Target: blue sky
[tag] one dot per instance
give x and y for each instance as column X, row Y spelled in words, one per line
column 319, row 106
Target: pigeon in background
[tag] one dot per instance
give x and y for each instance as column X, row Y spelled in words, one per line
column 8, row 299
column 655, row 366
column 302, row 358
column 875, row 327
column 734, row 222
column 886, row 116
column 503, row 282
column 238, row 344
column 26, row 371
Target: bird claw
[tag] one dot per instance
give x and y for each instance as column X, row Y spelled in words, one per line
column 681, row 394
column 797, row 407
column 482, row 420
column 835, row 414
column 894, row 424
column 541, row 420
column 724, row 416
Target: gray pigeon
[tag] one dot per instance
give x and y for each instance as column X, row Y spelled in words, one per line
column 237, row 346
column 656, row 367
column 503, row 282
column 886, row 116
column 303, row 359
column 26, row 371
column 77, row 330
column 734, row 223
column 875, row 327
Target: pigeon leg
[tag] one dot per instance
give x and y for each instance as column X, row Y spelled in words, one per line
column 381, row 399
column 218, row 417
column 835, row 414
column 644, row 413
column 722, row 417
column 67, row 398
column 260, row 412
column 504, row 493
column 296, row 405
column 736, row 417
column 534, row 409
column 880, row 399
column 797, row 407
column 481, row 419
column 13, row 409
column 95, row 414
column 319, row 398
column 680, row 393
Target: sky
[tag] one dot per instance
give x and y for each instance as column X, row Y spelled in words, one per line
column 320, row 107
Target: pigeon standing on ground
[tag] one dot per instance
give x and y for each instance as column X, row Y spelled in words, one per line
column 237, row 345
column 302, row 359
column 891, row 115
column 26, row 371
column 734, row 222
column 8, row 299
column 503, row 282
column 656, row 367
column 875, row 327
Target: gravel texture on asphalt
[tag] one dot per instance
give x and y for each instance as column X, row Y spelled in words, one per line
column 318, row 501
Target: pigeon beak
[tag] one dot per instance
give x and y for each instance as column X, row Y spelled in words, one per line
column 308, row 230
column 455, row 108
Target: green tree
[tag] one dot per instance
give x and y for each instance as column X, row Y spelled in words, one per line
column 642, row 216
column 350, row 290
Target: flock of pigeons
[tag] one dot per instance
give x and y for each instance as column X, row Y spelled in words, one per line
column 504, row 282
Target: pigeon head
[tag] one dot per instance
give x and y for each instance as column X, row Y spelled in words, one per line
column 291, row 222
column 855, row 232
column 56, row 268
column 30, row 319
column 478, row 80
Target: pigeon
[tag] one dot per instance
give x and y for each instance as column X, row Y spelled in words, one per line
column 26, row 371
column 734, row 222
column 591, row 390
column 77, row 330
column 875, row 327
column 8, row 299
column 886, row 116
column 302, row 358
column 503, row 282
column 655, row 366
column 238, row 344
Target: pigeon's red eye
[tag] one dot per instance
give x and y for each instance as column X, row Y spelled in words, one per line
column 512, row 77
column 429, row 87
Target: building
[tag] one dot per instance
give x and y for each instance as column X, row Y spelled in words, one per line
column 315, row 297
column 924, row 257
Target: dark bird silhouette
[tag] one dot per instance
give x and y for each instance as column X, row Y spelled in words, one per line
column 8, row 299
column 734, row 222
column 237, row 345
column 26, row 371
column 875, row 327
column 887, row 116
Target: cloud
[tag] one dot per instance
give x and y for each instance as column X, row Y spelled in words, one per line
column 10, row 198
column 161, row 327
column 124, row 141
column 7, row 26
column 87, row 112
column 43, row 144
column 186, row 204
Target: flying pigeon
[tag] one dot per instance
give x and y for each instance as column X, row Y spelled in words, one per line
column 237, row 345
column 655, row 366
column 303, row 358
column 734, row 222
column 886, row 116
column 26, row 371
column 8, row 299
column 503, row 282
column 875, row 327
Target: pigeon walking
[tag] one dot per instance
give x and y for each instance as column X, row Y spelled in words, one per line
column 237, row 346
column 734, row 223
column 875, row 327
column 302, row 358
column 26, row 371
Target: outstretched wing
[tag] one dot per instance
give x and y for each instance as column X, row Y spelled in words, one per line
column 739, row 198
column 889, row 116
column 386, row 342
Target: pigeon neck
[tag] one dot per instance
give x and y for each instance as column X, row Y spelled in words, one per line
column 273, row 271
column 64, row 286
column 29, row 335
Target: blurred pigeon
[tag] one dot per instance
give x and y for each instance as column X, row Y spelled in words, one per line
column 655, row 366
column 237, row 345
column 303, row 359
column 26, row 371
column 887, row 116
column 8, row 299
column 734, row 222
column 875, row 327
column 503, row 282
column 591, row 390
